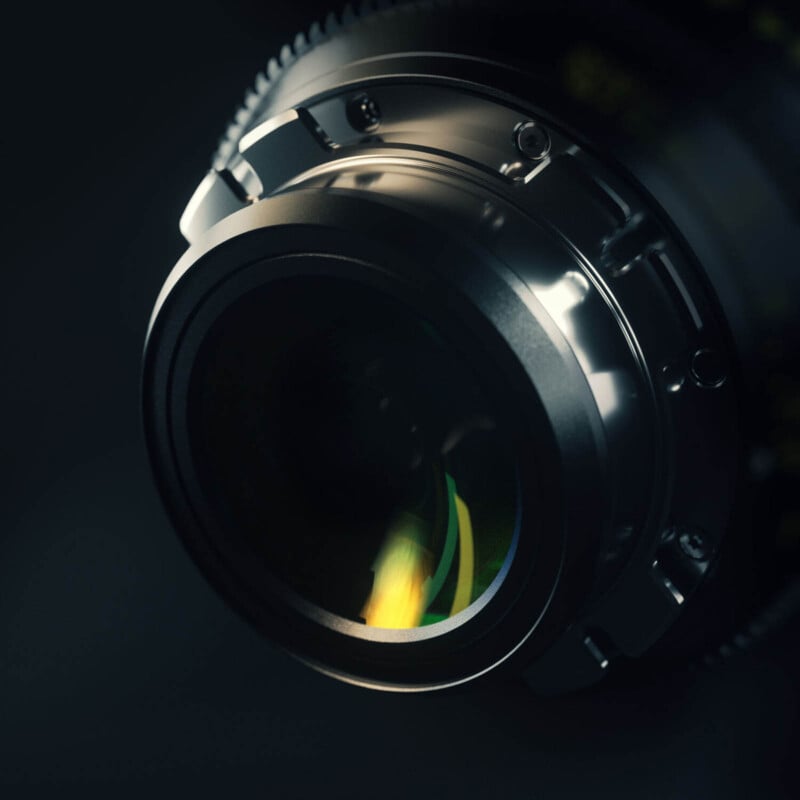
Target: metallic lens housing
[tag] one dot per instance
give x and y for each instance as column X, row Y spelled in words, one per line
column 481, row 197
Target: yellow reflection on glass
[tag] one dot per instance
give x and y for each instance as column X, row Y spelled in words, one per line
column 398, row 595
column 466, row 559
column 403, row 589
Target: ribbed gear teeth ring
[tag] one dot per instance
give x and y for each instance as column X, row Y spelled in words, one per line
column 254, row 98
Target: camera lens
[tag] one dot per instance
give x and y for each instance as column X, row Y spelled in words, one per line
column 483, row 311
column 356, row 450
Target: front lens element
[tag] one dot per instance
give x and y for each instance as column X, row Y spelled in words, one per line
column 355, row 450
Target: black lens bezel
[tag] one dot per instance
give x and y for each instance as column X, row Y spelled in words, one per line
column 311, row 279
column 409, row 258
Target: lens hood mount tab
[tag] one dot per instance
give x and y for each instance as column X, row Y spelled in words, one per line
column 285, row 145
column 218, row 195
column 270, row 154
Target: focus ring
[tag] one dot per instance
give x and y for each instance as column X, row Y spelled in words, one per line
column 255, row 98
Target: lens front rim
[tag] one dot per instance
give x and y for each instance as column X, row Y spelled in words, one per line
column 532, row 597
column 348, row 275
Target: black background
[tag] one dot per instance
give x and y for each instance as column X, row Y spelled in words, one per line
column 121, row 673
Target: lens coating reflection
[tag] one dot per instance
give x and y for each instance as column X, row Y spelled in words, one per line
column 355, row 450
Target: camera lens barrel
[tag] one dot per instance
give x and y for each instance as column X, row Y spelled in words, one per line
column 432, row 342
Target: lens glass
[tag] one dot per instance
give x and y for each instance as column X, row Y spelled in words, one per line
column 355, row 450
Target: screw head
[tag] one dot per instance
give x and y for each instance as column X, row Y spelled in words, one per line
column 364, row 113
column 694, row 544
column 532, row 140
column 672, row 377
column 708, row 369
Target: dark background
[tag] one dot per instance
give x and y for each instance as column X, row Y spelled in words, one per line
column 121, row 673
